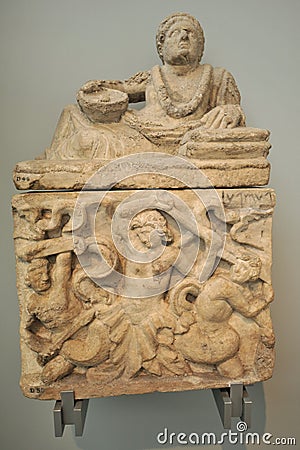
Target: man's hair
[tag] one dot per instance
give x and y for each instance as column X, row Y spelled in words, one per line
column 36, row 264
column 253, row 261
column 171, row 20
column 153, row 218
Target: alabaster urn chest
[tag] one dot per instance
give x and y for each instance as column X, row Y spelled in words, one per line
column 143, row 237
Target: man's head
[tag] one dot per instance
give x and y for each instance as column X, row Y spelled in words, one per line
column 151, row 228
column 180, row 40
column 246, row 268
column 38, row 275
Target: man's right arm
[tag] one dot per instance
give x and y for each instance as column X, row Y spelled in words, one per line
column 135, row 86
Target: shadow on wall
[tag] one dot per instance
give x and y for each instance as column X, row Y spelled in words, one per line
column 133, row 422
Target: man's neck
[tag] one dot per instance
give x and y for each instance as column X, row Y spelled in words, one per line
column 179, row 70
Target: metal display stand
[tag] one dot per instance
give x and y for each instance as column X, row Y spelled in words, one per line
column 231, row 402
column 69, row 411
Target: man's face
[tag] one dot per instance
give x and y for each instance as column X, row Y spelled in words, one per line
column 241, row 272
column 182, row 44
column 39, row 279
column 149, row 236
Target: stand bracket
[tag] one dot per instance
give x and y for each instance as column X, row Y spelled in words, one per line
column 69, row 411
column 233, row 402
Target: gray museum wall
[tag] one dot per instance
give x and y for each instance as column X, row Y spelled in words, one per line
column 48, row 50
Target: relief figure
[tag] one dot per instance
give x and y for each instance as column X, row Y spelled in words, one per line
column 211, row 339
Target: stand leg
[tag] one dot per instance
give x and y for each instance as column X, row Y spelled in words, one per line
column 68, row 411
column 233, row 402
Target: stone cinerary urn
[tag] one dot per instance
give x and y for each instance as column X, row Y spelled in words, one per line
column 143, row 242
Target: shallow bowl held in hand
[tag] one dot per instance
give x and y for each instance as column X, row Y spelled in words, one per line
column 104, row 105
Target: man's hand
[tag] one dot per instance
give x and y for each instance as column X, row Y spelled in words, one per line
column 226, row 116
column 92, row 86
column 268, row 338
column 268, row 293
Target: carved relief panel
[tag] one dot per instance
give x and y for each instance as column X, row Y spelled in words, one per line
column 115, row 300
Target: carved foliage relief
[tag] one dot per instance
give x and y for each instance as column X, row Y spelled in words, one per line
column 102, row 323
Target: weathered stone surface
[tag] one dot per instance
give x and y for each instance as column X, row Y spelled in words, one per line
column 191, row 109
column 37, row 175
column 80, row 328
column 147, row 279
